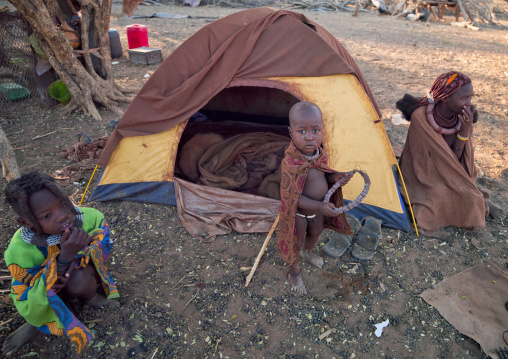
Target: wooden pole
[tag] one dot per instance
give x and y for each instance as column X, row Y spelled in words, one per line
column 256, row 263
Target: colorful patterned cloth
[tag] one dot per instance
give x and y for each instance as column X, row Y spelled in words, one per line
column 33, row 269
column 294, row 173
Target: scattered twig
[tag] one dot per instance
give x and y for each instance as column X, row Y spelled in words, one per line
column 153, row 356
column 7, row 321
column 327, row 333
column 49, row 133
column 190, row 300
column 94, row 320
column 180, row 281
column 4, row 290
column 5, row 277
column 217, row 343
column 21, row 147
column 173, row 253
column 194, row 285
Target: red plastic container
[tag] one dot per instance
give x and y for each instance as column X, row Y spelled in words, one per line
column 137, row 36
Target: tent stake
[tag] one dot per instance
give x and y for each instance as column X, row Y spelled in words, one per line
column 256, row 263
column 88, row 185
column 408, row 201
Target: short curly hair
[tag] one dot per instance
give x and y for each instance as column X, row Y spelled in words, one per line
column 18, row 192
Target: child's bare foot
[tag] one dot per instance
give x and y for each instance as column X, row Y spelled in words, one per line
column 495, row 211
column 297, row 283
column 312, row 258
column 99, row 301
column 20, row 337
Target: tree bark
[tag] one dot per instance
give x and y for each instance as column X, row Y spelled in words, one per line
column 10, row 168
column 90, row 82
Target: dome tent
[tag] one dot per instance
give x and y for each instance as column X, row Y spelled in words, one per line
column 251, row 66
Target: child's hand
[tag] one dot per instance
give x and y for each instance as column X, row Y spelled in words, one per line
column 327, row 209
column 72, row 242
column 337, row 176
column 63, row 278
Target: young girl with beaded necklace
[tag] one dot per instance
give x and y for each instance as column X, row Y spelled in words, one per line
column 437, row 162
column 58, row 256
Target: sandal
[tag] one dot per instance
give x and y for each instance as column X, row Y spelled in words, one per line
column 354, row 223
column 368, row 239
column 338, row 243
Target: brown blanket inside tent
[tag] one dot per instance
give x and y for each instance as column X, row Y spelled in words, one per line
column 242, row 163
column 238, row 163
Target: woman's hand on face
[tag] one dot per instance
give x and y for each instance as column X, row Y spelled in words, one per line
column 466, row 120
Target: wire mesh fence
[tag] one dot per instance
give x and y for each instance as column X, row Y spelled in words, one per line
column 17, row 61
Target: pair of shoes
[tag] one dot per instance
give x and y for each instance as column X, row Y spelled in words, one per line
column 368, row 239
column 338, row 242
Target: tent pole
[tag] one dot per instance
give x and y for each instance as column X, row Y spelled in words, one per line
column 256, row 263
column 88, row 185
column 408, row 201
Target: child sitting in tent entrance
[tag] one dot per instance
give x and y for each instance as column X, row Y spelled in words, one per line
column 304, row 182
column 59, row 253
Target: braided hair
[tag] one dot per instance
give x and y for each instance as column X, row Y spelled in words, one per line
column 18, row 192
column 444, row 86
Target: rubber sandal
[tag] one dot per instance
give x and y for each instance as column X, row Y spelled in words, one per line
column 337, row 243
column 368, row 239
column 354, row 223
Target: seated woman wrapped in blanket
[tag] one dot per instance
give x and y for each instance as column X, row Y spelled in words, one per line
column 437, row 162
column 58, row 256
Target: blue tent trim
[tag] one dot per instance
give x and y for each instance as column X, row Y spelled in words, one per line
column 150, row 192
column 164, row 193
column 390, row 219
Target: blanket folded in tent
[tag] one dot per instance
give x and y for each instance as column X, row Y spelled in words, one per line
column 242, row 162
column 33, row 269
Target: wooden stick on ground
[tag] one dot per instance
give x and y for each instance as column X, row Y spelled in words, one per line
column 7, row 321
column 256, row 263
column 50, row 133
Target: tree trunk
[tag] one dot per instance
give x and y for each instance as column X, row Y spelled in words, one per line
column 10, row 168
column 89, row 81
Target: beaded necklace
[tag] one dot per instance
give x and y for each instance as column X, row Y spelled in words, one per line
column 313, row 156
column 45, row 240
column 431, row 112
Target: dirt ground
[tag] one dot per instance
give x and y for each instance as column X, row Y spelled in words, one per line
column 182, row 298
